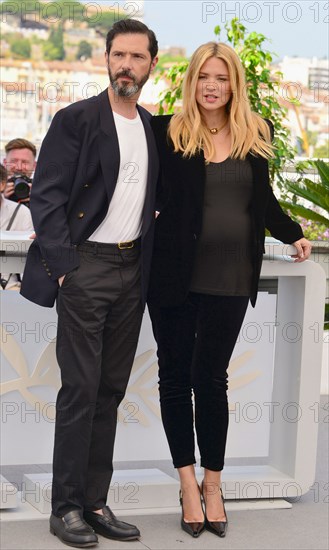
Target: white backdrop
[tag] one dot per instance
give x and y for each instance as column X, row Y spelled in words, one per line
column 30, row 381
column 275, row 378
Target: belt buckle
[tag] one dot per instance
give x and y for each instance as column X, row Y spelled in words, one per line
column 126, row 245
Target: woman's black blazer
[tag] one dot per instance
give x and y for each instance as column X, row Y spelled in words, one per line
column 178, row 226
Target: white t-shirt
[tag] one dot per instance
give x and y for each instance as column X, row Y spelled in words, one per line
column 22, row 222
column 124, row 218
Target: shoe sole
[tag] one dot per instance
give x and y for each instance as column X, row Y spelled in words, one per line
column 74, row 544
column 104, row 533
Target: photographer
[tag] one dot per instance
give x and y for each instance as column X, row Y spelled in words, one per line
column 13, row 217
column 20, row 164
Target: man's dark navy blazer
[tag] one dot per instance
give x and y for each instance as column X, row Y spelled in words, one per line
column 74, row 182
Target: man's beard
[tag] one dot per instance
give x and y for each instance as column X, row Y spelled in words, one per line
column 127, row 89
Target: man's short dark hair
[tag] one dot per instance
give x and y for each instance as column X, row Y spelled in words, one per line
column 20, row 143
column 131, row 26
column 3, row 174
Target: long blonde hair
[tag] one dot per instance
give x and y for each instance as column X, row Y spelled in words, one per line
column 249, row 131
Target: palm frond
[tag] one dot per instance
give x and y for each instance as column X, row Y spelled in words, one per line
column 303, row 212
column 310, row 191
column 323, row 169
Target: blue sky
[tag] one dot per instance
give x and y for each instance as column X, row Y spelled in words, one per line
column 294, row 28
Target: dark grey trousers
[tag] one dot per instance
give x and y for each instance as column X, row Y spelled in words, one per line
column 99, row 319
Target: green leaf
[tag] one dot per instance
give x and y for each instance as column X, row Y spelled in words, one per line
column 310, row 191
column 304, row 212
column 323, row 169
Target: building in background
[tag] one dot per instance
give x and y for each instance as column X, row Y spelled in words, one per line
column 312, row 73
column 33, row 90
column 305, row 94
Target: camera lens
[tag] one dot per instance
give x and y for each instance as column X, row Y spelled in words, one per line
column 22, row 188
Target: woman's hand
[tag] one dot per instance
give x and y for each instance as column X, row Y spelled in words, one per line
column 304, row 248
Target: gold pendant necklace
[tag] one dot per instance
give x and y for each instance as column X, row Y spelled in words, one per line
column 217, row 130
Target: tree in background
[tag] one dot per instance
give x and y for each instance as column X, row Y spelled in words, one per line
column 85, row 50
column 20, row 47
column 19, row 7
column 58, row 16
column 59, row 11
column 70, row 10
column 53, row 48
column 103, row 23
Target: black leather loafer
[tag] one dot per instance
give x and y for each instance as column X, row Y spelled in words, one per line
column 109, row 526
column 72, row 530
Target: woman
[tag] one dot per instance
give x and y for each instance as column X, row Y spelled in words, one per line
column 215, row 202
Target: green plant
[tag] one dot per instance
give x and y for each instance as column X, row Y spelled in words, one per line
column 314, row 231
column 166, row 60
column 53, row 48
column 20, row 47
column 263, row 89
column 322, row 151
column 171, row 95
column 85, row 50
column 309, row 199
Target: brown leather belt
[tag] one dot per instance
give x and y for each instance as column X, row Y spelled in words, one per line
column 126, row 245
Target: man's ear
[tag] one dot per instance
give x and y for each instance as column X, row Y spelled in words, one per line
column 153, row 64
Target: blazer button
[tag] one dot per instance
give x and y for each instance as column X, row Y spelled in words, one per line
column 86, row 185
column 49, row 274
column 81, row 215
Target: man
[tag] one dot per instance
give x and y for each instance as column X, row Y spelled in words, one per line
column 20, row 160
column 13, row 217
column 93, row 209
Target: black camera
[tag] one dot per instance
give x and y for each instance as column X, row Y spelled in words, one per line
column 21, row 186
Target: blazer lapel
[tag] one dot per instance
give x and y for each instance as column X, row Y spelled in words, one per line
column 109, row 151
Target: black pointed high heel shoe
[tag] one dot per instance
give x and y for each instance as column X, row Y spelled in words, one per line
column 218, row 528
column 194, row 528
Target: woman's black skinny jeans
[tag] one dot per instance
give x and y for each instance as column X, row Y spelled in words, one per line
column 195, row 343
